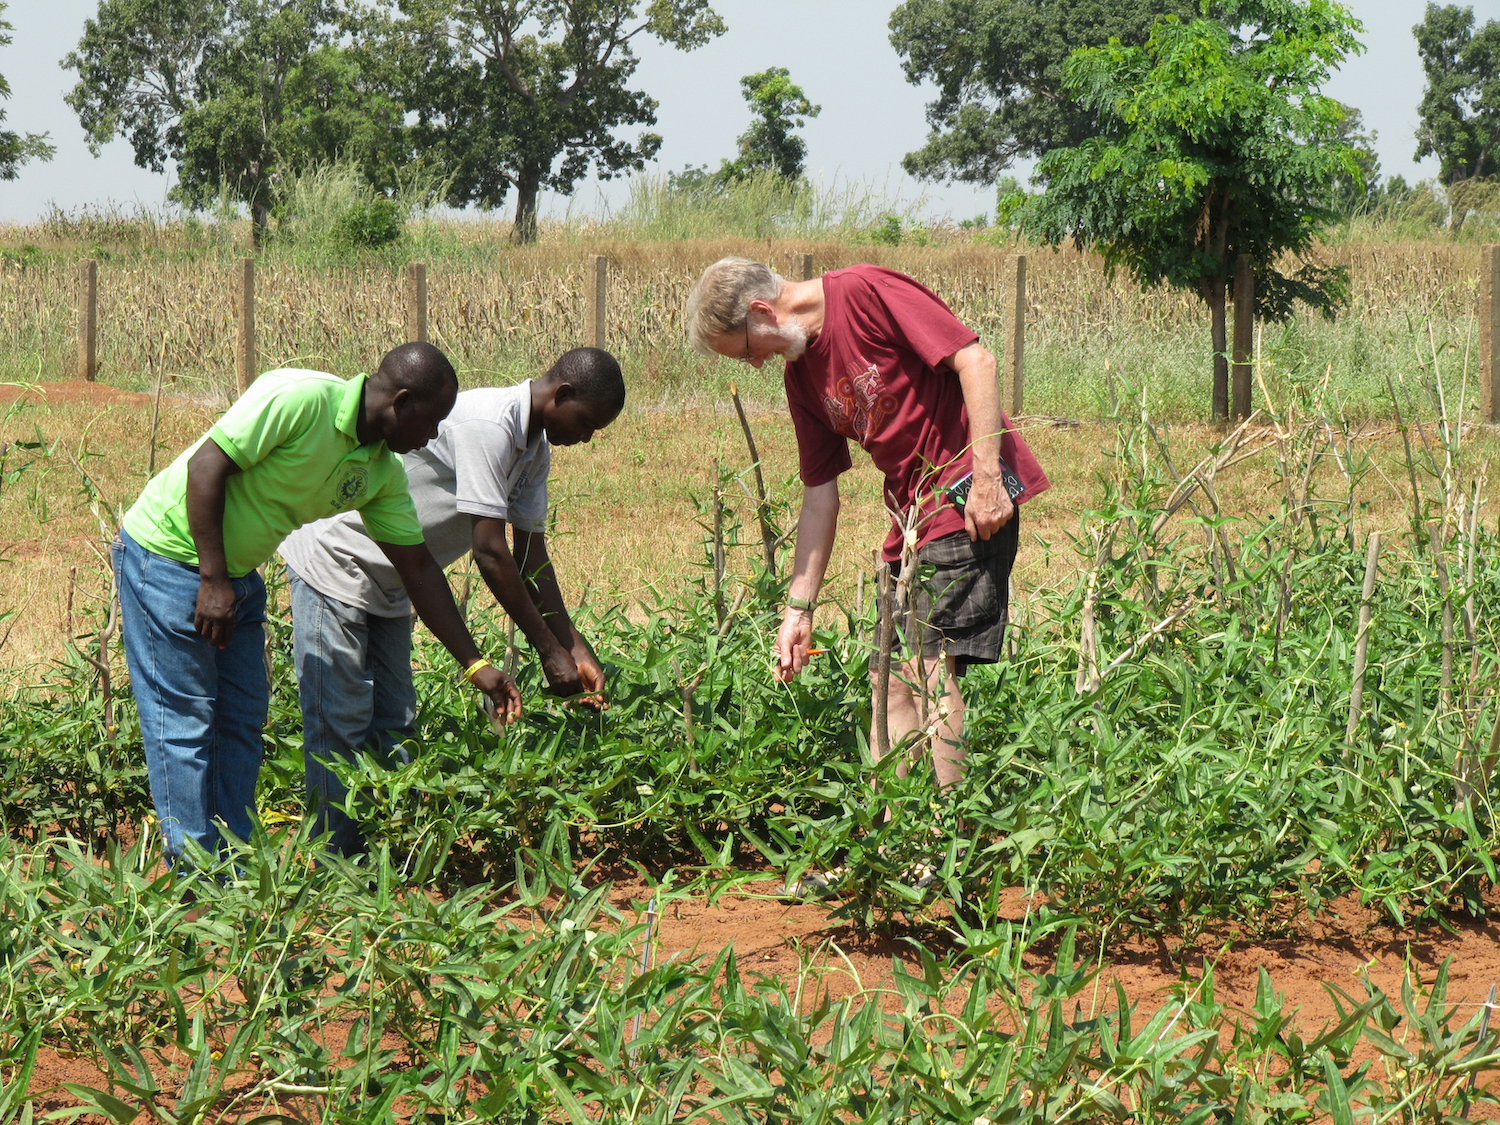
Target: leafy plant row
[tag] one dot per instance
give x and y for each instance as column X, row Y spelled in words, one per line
column 272, row 987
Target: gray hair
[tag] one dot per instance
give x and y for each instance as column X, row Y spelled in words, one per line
column 720, row 303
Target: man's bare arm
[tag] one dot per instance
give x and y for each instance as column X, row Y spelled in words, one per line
column 208, row 473
column 989, row 506
column 817, row 526
column 501, row 573
column 541, row 580
column 433, row 600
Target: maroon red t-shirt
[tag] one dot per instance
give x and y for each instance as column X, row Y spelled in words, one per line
column 874, row 374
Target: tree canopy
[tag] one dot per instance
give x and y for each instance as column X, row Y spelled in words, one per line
column 1460, row 110
column 1215, row 141
column 16, row 148
column 527, row 94
column 1354, row 193
column 779, row 106
column 236, row 92
column 998, row 67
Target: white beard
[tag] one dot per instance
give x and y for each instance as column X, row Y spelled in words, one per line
column 793, row 338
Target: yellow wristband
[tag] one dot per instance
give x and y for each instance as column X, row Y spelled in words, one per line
column 474, row 666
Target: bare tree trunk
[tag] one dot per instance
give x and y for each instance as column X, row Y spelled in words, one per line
column 1216, row 303
column 524, row 232
column 260, row 223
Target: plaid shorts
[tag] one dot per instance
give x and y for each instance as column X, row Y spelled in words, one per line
column 961, row 595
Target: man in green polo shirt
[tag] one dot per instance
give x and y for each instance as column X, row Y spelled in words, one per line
column 297, row 446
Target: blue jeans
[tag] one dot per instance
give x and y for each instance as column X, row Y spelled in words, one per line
column 354, row 683
column 202, row 709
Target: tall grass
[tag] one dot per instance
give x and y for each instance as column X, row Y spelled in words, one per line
column 505, row 312
column 763, row 205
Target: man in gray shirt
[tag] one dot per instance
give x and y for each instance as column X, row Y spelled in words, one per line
column 351, row 619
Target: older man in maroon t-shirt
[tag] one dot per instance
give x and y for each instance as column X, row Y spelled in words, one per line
column 874, row 356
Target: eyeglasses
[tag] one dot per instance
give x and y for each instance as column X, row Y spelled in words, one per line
column 745, row 357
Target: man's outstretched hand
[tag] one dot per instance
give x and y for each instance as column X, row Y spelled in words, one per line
column 591, row 676
column 502, row 692
column 792, row 642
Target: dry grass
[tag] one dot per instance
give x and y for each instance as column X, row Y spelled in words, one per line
column 504, row 312
column 626, row 518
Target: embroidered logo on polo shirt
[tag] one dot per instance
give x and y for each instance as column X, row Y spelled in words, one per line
column 351, row 487
column 859, row 404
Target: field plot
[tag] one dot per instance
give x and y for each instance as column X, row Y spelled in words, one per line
column 1224, row 850
column 1167, row 789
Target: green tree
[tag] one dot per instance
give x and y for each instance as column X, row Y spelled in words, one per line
column 236, row 92
column 779, row 106
column 17, row 148
column 1215, row 141
column 1356, row 193
column 528, row 94
column 1459, row 116
column 998, row 67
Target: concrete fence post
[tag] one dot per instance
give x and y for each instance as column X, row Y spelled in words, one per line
column 416, row 302
column 1013, row 388
column 88, row 319
column 1244, row 335
column 1489, row 333
column 598, row 288
column 244, row 354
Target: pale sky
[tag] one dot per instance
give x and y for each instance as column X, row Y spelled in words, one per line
column 837, row 50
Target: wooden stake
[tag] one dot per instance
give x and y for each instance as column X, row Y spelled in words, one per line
column 88, row 319
column 1244, row 334
column 244, row 356
column 762, row 515
column 1362, row 641
column 805, row 261
column 155, row 419
column 1440, row 564
column 416, row 302
column 883, row 662
column 1013, row 392
column 718, row 550
column 1489, row 333
column 598, row 289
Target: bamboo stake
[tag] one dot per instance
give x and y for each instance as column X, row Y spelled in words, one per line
column 883, row 664
column 767, row 536
column 635, row 1032
column 155, row 419
column 1489, row 333
column 1411, row 466
column 687, row 689
column 1362, row 640
column 1474, row 777
column 1440, row 565
column 718, row 551
column 244, row 356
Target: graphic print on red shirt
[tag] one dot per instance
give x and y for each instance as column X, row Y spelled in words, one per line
column 875, row 374
column 859, row 404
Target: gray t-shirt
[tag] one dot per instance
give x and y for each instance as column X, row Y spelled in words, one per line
column 480, row 464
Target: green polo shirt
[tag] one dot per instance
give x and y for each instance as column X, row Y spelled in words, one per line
column 293, row 436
